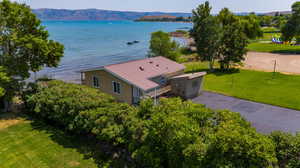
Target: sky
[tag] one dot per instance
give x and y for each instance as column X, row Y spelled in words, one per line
column 164, row 5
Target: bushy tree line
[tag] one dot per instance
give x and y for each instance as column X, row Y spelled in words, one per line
column 223, row 37
column 174, row 133
column 277, row 21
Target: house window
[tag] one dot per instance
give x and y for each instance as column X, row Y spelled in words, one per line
column 96, row 82
column 116, row 87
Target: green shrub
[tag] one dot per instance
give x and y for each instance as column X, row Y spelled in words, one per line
column 184, row 134
column 287, row 149
column 110, row 124
column 61, row 102
column 236, row 144
column 174, row 133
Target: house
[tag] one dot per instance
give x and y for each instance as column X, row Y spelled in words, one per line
column 151, row 77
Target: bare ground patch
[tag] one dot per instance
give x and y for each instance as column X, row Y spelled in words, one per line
column 284, row 63
column 9, row 119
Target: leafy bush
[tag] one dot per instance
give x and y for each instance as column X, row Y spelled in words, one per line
column 184, row 134
column 61, row 102
column 287, row 149
column 110, row 124
column 174, row 133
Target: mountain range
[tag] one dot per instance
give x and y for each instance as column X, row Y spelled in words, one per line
column 97, row 14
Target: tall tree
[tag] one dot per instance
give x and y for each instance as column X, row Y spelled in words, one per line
column 292, row 27
column 24, row 43
column 251, row 26
column 161, row 44
column 234, row 40
column 207, row 33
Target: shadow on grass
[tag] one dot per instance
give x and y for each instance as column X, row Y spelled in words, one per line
column 286, row 52
column 217, row 72
column 102, row 153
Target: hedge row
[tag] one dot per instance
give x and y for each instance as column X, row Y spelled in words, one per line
column 174, row 133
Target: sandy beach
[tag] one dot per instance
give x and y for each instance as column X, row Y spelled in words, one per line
column 285, row 63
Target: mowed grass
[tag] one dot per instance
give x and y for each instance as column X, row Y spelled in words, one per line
column 265, row 87
column 269, row 36
column 274, row 48
column 26, row 145
column 264, row 44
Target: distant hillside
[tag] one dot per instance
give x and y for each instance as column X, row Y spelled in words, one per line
column 96, row 14
column 279, row 12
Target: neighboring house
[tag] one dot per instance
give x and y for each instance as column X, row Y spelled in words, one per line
column 151, row 77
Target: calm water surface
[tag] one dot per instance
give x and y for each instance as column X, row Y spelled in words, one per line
column 91, row 44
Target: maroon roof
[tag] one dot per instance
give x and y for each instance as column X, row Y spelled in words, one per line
column 139, row 72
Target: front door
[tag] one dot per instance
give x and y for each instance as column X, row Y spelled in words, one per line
column 135, row 95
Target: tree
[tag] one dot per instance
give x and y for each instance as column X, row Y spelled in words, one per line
column 265, row 20
column 24, row 43
column 279, row 21
column 162, row 45
column 292, row 27
column 207, row 33
column 251, row 26
column 234, row 40
column 224, row 37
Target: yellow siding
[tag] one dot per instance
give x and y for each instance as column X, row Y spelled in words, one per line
column 105, row 80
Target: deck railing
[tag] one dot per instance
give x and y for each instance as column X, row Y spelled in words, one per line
column 160, row 91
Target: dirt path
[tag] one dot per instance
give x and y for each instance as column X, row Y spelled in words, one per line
column 9, row 119
column 286, row 63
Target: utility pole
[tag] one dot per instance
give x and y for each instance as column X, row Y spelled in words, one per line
column 274, row 70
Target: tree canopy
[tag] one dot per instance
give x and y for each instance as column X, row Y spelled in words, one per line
column 251, row 26
column 223, row 37
column 24, row 43
column 292, row 27
column 207, row 33
column 234, row 39
column 161, row 44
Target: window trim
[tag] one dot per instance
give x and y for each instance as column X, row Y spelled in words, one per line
column 113, row 87
column 96, row 77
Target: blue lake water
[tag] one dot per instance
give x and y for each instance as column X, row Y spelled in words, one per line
column 91, row 44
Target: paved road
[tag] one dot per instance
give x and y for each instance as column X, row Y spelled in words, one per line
column 265, row 118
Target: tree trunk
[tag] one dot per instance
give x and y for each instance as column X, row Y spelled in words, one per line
column 6, row 106
column 211, row 65
column 222, row 66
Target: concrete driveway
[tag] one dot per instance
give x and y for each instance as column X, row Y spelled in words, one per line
column 265, row 118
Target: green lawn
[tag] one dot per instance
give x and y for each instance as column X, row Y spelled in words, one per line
column 269, row 36
column 279, row 89
column 264, row 44
column 274, row 48
column 27, row 145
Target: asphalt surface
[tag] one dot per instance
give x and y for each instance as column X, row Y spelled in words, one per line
column 265, row 118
